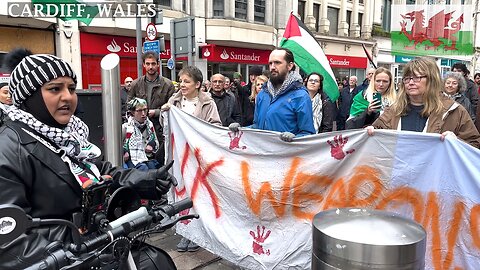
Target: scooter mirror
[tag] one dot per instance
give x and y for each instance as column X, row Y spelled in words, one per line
column 13, row 222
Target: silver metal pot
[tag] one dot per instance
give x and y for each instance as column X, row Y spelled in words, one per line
column 357, row 239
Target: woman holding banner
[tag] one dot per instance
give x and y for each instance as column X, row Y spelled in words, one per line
column 370, row 103
column 421, row 107
column 192, row 100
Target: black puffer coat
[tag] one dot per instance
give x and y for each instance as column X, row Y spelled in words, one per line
column 35, row 178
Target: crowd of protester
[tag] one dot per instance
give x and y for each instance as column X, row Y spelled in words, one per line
column 277, row 99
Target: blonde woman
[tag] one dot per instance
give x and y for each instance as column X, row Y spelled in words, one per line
column 421, row 107
column 369, row 104
column 250, row 108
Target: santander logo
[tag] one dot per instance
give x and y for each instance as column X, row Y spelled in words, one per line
column 206, row 53
column 224, row 55
column 113, row 47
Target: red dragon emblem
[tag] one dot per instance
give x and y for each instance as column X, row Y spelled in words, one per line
column 440, row 26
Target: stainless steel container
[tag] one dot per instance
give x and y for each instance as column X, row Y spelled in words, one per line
column 357, row 239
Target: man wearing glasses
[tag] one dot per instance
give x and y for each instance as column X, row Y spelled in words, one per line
column 226, row 103
column 283, row 104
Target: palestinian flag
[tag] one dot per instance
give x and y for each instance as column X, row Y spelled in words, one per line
column 432, row 30
column 308, row 54
column 87, row 13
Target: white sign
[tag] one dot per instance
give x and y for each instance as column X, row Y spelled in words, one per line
column 256, row 195
column 151, row 32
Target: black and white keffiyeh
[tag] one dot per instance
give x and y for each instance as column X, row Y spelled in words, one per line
column 73, row 139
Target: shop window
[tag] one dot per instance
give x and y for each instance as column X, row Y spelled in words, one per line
column 218, row 8
column 410, row 2
column 241, row 9
column 332, row 16
column 316, row 14
column 301, row 10
column 166, row 3
column 349, row 19
column 386, row 15
column 259, row 11
column 184, row 5
column 360, row 22
column 2, row 55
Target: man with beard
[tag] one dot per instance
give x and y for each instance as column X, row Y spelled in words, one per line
column 283, row 104
column 156, row 90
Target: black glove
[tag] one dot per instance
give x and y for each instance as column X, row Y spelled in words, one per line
column 164, row 179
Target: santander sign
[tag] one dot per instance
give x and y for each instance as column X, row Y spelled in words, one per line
column 235, row 55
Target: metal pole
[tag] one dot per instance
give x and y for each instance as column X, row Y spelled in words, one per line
column 172, row 49
column 112, row 123
column 139, row 44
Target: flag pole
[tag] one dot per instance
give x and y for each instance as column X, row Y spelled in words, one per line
column 370, row 59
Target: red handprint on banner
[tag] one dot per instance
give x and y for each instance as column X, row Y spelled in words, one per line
column 336, row 147
column 235, row 140
column 259, row 239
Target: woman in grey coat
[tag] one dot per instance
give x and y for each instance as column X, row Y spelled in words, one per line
column 455, row 87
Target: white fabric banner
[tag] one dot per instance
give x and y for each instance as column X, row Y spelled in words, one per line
column 256, row 195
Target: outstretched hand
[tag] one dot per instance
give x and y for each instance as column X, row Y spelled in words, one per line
column 164, row 179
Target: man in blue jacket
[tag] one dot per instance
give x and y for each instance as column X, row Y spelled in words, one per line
column 283, row 104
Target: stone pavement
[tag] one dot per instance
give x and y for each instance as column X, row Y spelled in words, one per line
column 200, row 260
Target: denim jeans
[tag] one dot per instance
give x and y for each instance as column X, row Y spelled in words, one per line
column 143, row 166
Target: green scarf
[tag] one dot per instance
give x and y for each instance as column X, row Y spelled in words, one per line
column 359, row 105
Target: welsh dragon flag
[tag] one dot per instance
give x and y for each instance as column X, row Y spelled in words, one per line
column 432, row 30
column 308, row 54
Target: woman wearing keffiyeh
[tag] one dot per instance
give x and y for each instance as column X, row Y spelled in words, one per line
column 46, row 159
column 139, row 138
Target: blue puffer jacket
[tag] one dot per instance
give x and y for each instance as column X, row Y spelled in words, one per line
column 289, row 111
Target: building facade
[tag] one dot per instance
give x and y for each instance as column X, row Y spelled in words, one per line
column 230, row 35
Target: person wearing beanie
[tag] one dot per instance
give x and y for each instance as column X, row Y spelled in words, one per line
column 46, row 160
column 139, row 139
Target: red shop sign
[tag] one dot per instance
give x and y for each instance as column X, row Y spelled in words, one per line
column 214, row 53
column 95, row 44
column 339, row 61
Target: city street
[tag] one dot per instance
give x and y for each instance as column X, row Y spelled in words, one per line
column 201, row 259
